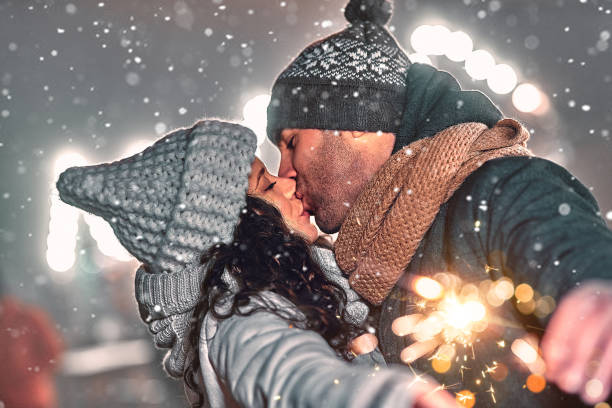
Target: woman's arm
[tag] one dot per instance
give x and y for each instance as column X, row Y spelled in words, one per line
column 263, row 361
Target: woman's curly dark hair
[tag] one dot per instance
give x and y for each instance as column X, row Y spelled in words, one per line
column 266, row 256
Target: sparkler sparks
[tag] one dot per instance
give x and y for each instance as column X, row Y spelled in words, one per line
column 451, row 314
column 466, row 398
column 492, row 391
column 417, row 377
column 461, row 369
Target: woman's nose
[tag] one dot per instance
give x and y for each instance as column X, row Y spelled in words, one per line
column 286, row 186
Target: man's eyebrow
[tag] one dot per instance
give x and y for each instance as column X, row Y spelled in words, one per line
column 261, row 172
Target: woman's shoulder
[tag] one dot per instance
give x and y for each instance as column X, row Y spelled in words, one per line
column 266, row 302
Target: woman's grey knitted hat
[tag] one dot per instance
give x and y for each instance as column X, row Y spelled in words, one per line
column 173, row 200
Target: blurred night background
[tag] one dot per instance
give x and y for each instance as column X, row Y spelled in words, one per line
column 86, row 81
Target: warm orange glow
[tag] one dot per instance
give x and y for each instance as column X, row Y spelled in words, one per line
column 523, row 293
column 427, row 288
column 536, row 383
column 440, row 365
column 466, row 398
column 446, row 352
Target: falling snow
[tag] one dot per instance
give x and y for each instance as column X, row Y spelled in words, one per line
column 91, row 78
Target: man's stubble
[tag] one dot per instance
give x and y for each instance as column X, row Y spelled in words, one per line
column 334, row 166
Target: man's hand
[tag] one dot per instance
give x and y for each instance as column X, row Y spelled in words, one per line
column 364, row 344
column 577, row 345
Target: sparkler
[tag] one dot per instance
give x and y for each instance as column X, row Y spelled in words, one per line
column 450, row 319
column 451, row 314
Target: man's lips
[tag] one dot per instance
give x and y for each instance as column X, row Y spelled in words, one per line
column 307, row 209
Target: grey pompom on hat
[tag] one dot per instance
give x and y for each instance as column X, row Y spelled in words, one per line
column 173, row 200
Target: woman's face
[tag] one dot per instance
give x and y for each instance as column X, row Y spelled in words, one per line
column 280, row 192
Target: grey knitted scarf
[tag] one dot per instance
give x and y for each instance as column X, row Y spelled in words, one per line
column 167, row 300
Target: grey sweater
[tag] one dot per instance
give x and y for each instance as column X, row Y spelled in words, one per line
column 261, row 361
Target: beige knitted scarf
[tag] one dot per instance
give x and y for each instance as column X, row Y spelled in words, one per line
column 384, row 227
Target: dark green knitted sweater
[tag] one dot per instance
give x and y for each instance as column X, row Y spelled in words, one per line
column 537, row 225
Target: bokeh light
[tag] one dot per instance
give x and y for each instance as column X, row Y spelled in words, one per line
column 428, row 288
column 63, row 219
column 419, row 40
column 105, row 238
column 535, row 383
column 440, row 365
column 465, row 398
column 523, row 293
column 255, row 115
column 500, row 372
column 438, row 40
column 502, row 79
column 479, row 64
column 594, row 388
column 526, row 308
column 460, row 45
column 527, row 98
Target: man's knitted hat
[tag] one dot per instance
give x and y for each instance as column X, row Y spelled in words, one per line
column 351, row 80
column 173, row 200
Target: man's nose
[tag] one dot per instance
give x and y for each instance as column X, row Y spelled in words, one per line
column 286, row 168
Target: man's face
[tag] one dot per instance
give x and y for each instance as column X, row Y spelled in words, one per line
column 330, row 167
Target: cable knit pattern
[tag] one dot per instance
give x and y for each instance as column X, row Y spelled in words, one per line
column 385, row 226
column 177, row 197
column 356, row 311
column 166, row 205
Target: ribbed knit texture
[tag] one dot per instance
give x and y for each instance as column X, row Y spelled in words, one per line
column 166, row 205
column 387, row 222
column 351, row 80
column 176, row 198
column 167, row 302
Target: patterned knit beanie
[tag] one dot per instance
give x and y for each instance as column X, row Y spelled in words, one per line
column 173, row 200
column 351, row 80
